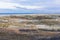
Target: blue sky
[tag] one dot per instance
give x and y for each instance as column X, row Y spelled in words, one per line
column 29, row 6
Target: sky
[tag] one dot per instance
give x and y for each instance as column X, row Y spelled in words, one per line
column 29, row 6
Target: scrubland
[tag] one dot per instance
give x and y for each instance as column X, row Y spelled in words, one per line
column 30, row 27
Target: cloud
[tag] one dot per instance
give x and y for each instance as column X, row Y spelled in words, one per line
column 7, row 5
column 31, row 5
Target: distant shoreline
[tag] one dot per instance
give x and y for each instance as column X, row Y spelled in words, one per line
column 29, row 13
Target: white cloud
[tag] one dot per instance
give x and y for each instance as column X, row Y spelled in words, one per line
column 7, row 5
column 30, row 7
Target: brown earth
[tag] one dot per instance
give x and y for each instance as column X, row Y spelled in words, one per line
column 14, row 34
